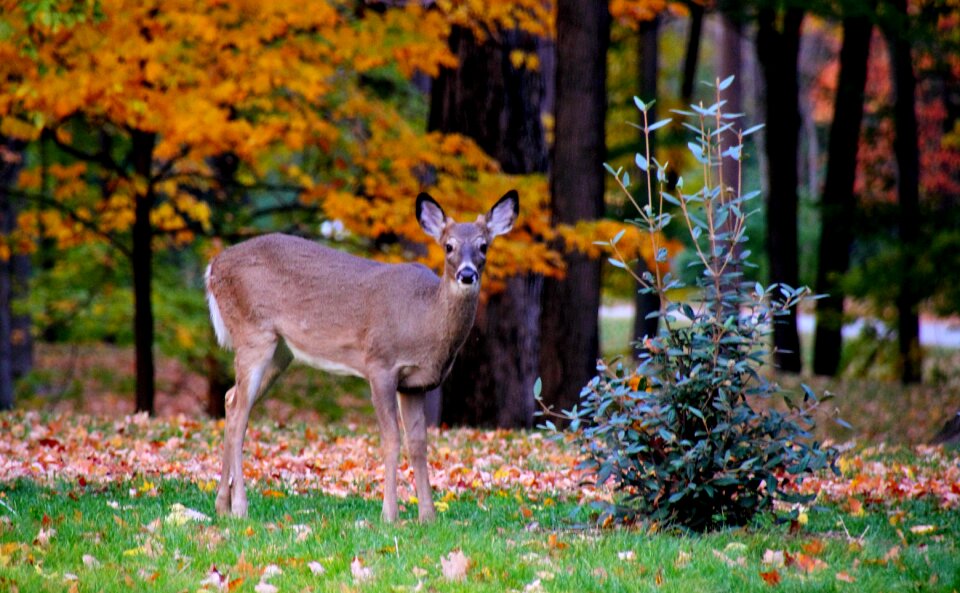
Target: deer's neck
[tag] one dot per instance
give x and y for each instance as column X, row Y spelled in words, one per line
column 458, row 309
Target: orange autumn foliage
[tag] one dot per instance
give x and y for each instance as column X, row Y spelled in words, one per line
column 279, row 86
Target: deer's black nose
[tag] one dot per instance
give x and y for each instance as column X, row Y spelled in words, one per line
column 467, row 276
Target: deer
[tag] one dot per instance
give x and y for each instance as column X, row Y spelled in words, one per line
column 278, row 298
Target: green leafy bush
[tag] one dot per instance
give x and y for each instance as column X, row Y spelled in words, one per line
column 689, row 436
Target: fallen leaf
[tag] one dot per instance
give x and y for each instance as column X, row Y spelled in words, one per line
column 554, row 543
column 628, row 555
column 658, row 578
column 44, row 536
column 846, row 578
column 265, row 587
column 138, row 551
column 534, row 587
column 316, row 568
column 735, row 548
column 814, row 548
column 302, row 531
column 181, row 515
column 808, row 563
column 923, row 529
column 271, row 570
column 454, row 566
column 774, row 558
column 683, row 559
column 360, row 573
column 244, row 568
column 855, row 507
column 90, row 561
column 215, row 579
column 271, row 493
column 771, row 577
column 741, row 561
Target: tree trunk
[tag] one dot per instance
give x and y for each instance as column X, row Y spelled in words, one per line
column 142, row 263
column 692, row 55
column 649, row 46
column 569, row 327
column 218, row 372
column 778, row 47
column 838, row 204
column 499, row 106
column 11, row 160
column 908, row 191
column 730, row 63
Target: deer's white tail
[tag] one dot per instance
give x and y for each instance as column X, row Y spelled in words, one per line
column 223, row 336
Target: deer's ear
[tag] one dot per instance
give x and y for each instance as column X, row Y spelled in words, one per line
column 504, row 213
column 430, row 216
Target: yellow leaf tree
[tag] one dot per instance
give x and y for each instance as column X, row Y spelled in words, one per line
column 140, row 99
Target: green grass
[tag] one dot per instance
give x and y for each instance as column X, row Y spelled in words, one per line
column 510, row 540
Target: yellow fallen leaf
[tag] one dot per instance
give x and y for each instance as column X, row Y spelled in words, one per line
column 180, row 515
column 138, row 551
column 207, row 485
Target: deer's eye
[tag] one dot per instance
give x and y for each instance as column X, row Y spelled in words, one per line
column 483, row 248
column 449, row 247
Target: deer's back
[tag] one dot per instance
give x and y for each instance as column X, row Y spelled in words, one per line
column 315, row 297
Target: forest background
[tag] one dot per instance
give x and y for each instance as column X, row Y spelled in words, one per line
column 137, row 140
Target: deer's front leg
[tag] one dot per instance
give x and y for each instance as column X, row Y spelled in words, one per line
column 384, row 393
column 415, row 427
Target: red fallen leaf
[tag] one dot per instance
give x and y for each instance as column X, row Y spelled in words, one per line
column 527, row 513
column 45, row 522
column 771, row 577
column 48, row 442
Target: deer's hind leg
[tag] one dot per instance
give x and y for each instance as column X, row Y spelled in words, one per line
column 258, row 363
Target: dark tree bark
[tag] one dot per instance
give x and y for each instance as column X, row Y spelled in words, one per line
column 219, row 376
column 692, row 55
column 838, row 203
column 649, row 46
column 499, row 106
column 142, row 263
column 729, row 63
column 778, row 48
column 569, row 327
column 11, row 160
column 908, row 191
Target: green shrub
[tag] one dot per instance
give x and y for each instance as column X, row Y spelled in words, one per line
column 686, row 437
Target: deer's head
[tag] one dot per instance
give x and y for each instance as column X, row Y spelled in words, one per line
column 466, row 243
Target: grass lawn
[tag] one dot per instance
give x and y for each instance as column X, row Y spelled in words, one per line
column 91, row 504
column 107, row 539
